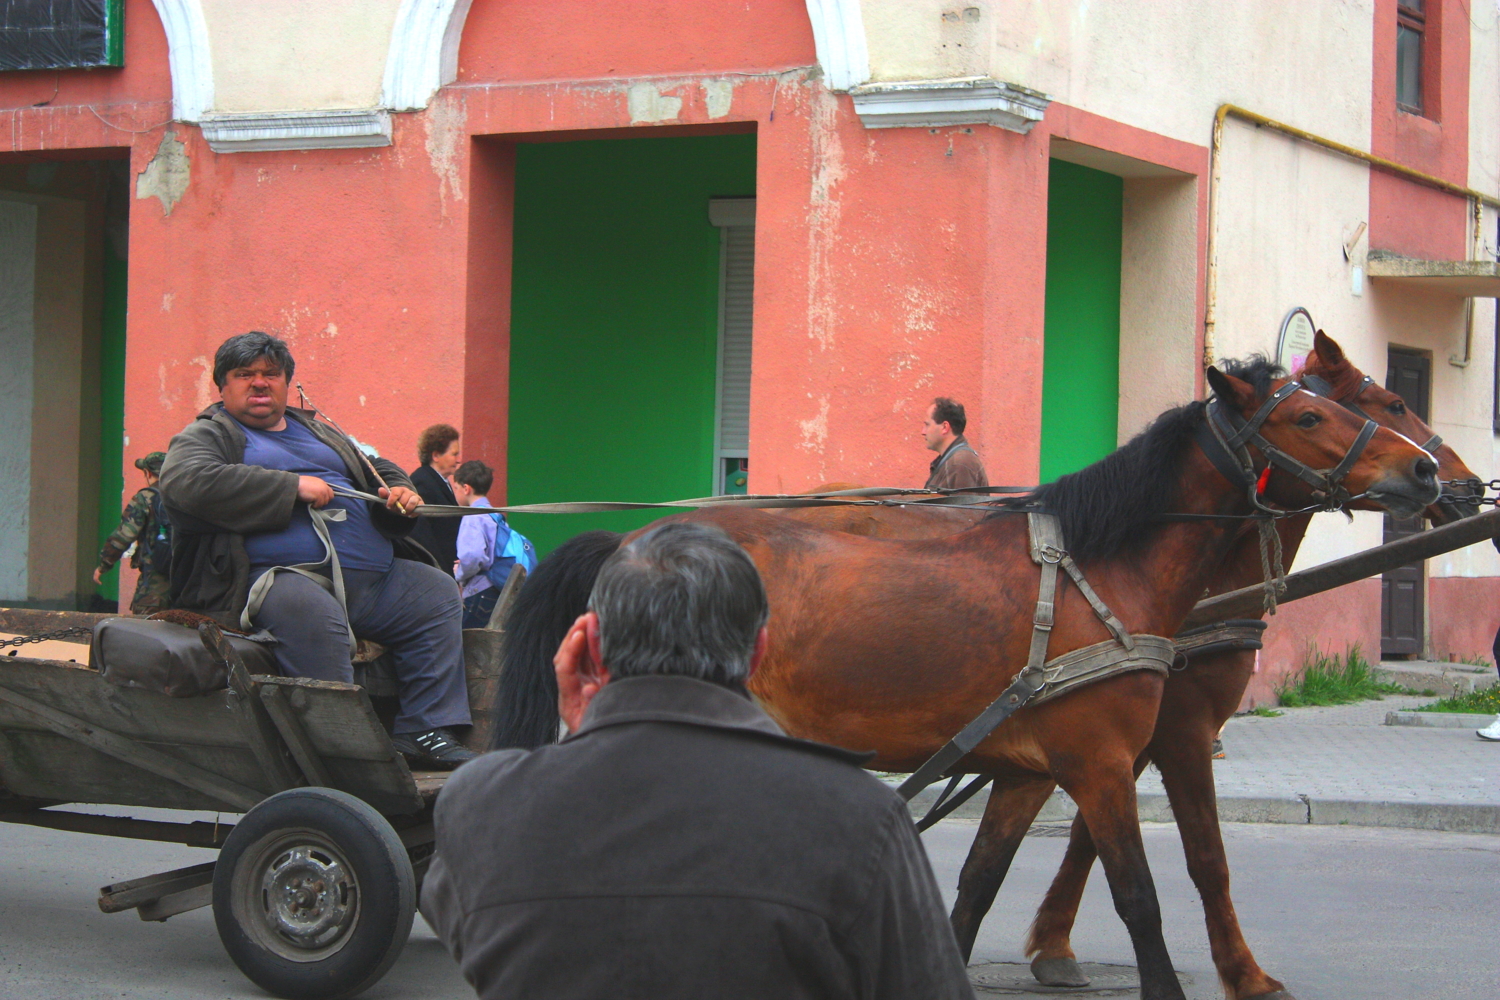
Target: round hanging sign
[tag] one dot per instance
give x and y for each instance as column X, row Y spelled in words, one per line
column 1296, row 340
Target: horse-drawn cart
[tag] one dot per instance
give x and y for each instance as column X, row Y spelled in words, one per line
column 315, row 885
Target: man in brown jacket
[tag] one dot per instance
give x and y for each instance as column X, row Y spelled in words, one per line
column 678, row 844
column 957, row 466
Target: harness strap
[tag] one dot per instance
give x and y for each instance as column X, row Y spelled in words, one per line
column 1093, row 663
column 1115, row 626
column 334, row 586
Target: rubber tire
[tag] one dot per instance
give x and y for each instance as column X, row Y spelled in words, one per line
column 387, row 894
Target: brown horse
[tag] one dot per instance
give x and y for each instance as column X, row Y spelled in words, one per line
column 894, row 646
column 1195, row 704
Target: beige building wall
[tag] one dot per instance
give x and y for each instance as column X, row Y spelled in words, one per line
column 292, row 55
column 1163, row 67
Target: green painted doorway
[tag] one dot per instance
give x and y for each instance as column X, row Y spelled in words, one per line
column 1081, row 367
column 615, row 323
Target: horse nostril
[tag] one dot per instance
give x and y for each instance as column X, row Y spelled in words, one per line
column 1425, row 469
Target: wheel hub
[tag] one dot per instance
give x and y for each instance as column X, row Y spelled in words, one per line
column 308, row 896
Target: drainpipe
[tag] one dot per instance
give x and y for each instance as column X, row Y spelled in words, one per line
column 1210, row 309
column 1476, row 243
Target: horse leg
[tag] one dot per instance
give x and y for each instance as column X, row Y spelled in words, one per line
column 1105, row 793
column 1049, row 942
column 1007, row 816
column 1182, row 754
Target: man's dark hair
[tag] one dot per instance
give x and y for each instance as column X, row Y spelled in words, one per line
column 435, row 440
column 945, row 409
column 682, row 599
column 476, row 476
column 244, row 349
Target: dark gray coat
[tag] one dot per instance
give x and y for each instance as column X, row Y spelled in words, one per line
column 681, row 846
column 213, row 500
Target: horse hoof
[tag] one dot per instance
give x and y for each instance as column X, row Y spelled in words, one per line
column 1061, row 972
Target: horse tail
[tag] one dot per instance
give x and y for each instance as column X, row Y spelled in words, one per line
column 549, row 602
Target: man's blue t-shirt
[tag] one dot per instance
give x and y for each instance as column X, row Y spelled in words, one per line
column 298, row 451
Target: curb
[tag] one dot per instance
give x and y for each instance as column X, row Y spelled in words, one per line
column 1295, row 810
column 1439, row 720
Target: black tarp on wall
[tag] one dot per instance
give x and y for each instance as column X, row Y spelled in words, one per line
column 61, row 34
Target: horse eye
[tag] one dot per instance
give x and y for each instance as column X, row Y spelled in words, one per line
column 1398, row 408
column 1308, row 421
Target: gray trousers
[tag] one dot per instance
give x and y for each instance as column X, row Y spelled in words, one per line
column 412, row 609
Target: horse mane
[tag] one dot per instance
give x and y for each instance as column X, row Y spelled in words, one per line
column 1110, row 508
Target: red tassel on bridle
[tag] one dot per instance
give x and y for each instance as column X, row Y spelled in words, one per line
column 1260, row 484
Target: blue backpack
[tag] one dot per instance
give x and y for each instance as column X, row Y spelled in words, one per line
column 511, row 547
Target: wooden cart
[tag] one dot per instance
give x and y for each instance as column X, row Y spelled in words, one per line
column 315, row 885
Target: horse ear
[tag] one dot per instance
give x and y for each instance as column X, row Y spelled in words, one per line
column 1230, row 389
column 1328, row 350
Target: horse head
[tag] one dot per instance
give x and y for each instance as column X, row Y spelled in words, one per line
column 1358, row 392
column 1317, row 452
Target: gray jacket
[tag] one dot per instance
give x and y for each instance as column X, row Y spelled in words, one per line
column 213, row 500
column 679, row 845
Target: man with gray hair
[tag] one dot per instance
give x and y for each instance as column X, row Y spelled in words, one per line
column 678, row 844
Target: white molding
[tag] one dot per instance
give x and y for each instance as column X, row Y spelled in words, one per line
column 188, row 55
column 969, row 100
column 731, row 212
column 424, row 52
column 839, row 36
column 248, row 133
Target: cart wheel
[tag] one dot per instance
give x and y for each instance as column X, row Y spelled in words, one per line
column 313, row 895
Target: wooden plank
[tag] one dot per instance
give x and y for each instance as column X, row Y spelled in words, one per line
column 48, row 765
column 134, row 713
column 178, row 902
column 30, row 621
column 195, row 834
column 254, row 720
column 1247, row 601
column 482, row 651
column 508, row 595
column 290, row 727
column 342, row 727
column 131, row 893
column 92, row 735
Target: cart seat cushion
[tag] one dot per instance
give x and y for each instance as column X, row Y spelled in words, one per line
column 168, row 658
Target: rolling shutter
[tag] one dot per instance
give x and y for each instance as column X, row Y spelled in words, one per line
column 735, row 218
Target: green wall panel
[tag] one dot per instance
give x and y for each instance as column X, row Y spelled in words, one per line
column 1081, row 371
column 614, row 323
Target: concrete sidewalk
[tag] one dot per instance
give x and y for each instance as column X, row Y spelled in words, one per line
column 1338, row 765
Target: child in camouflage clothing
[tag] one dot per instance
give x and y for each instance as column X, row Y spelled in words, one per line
column 144, row 525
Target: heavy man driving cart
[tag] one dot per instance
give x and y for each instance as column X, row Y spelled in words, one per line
column 264, row 541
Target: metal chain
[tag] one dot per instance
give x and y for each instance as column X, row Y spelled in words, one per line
column 1477, row 499
column 61, row 633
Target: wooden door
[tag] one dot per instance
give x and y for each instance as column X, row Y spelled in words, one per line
column 1402, row 604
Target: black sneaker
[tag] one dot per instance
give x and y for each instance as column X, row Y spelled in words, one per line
column 434, row 750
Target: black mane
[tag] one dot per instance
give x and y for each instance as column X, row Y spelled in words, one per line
column 1110, row 508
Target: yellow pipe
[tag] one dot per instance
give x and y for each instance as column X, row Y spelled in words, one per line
column 1479, row 198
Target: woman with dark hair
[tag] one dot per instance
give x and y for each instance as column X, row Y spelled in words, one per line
column 438, row 450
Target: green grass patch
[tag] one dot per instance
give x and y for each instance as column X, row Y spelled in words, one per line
column 1330, row 679
column 1485, row 702
column 1265, row 712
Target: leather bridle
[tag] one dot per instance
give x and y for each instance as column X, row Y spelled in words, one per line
column 1225, row 437
column 1323, row 388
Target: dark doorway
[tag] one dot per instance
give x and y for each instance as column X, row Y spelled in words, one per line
column 1402, row 603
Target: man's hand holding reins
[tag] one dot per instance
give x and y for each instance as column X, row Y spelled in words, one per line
column 401, row 500
column 313, row 491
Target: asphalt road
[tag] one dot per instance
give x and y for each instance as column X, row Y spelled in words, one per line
column 1336, row 912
